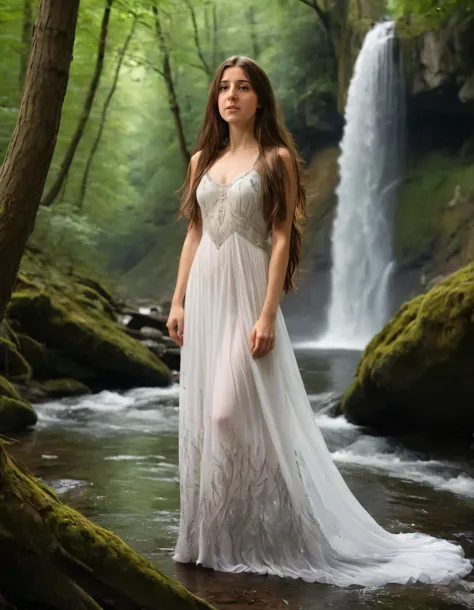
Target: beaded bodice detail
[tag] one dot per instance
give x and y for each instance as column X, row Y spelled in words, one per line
column 233, row 208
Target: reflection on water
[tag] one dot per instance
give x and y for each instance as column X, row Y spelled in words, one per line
column 115, row 458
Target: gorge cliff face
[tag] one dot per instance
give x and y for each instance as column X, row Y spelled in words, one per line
column 434, row 217
column 434, row 224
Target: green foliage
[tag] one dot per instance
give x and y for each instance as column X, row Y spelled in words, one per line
column 432, row 12
column 132, row 195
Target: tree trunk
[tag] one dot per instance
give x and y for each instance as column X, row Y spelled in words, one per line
column 28, row 157
column 103, row 118
column 53, row 558
column 25, row 42
column 250, row 17
column 172, row 98
column 215, row 36
column 54, row 191
column 204, row 63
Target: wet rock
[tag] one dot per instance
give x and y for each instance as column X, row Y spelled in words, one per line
column 12, row 363
column 156, row 348
column 60, row 388
column 16, row 415
column 136, row 334
column 138, row 320
column 416, row 374
column 151, row 333
column 172, row 357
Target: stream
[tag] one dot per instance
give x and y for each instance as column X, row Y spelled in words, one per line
column 114, row 457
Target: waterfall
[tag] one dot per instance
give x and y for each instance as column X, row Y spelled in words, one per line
column 370, row 170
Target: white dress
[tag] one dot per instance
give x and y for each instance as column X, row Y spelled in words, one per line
column 259, row 490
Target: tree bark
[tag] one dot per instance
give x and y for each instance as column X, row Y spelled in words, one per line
column 55, row 189
column 105, row 109
column 25, row 42
column 172, row 97
column 28, row 157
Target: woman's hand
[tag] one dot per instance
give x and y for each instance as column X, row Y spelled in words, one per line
column 175, row 324
column 262, row 339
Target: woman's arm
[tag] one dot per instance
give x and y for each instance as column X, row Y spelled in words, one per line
column 263, row 334
column 175, row 321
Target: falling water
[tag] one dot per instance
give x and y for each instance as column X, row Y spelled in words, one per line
column 370, row 169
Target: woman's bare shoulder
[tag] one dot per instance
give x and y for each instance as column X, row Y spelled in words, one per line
column 280, row 153
column 195, row 158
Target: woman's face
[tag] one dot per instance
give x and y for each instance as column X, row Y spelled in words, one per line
column 237, row 99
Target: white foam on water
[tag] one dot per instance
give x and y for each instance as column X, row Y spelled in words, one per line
column 376, row 453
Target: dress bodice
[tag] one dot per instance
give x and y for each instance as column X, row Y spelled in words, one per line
column 236, row 207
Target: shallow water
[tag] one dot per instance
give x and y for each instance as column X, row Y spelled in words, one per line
column 115, row 458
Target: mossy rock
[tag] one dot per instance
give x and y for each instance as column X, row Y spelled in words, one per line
column 66, row 561
column 7, row 390
column 94, row 340
column 95, row 286
column 416, row 374
column 93, row 300
column 48, row 363
column 16, row 415
column 12, row 363
column 59, row 388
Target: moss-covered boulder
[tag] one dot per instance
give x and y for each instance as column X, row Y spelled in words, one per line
column 16, row 415
column 59, row 388
column 88, row 336
column 52, row 557
column 416, row 375
column 49, row 363
column 12, row 363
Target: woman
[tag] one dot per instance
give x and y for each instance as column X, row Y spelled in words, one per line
column 259, row 490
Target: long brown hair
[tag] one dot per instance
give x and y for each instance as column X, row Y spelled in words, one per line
column 271, row 134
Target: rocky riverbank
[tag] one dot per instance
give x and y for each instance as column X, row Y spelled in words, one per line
column 65, row 334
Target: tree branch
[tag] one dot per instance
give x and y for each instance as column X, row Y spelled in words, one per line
column 324, row 16
column 168, row 78
column 141, row 61
column 95, row 145
column 196, row 38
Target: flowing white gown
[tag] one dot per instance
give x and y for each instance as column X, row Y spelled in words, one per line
column 259, row 490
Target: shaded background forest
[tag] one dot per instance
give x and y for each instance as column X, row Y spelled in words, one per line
column 118, row 202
